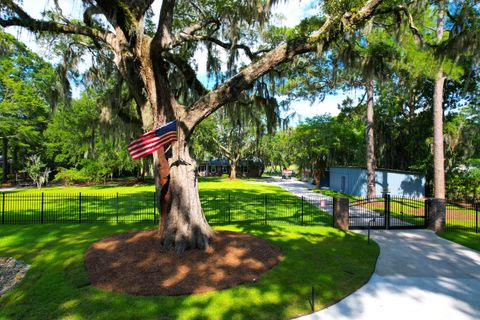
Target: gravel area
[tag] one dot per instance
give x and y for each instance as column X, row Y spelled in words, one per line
column 11, row 273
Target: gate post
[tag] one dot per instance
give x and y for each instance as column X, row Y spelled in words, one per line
column 340, row 213
column 436, row 214
column 386, row 210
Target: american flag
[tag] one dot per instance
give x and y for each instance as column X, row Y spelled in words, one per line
column 153, row 140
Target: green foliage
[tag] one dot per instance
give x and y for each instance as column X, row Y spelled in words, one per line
column 323, row 141
column 464, row 182
column 37, row 170
column 70, row 176
column 87, row 138
column 276, row 150
column 334, row 7
column 26, row 81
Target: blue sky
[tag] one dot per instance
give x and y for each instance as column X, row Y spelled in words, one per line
column 292, row 12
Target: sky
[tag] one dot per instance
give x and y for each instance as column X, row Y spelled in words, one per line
column 291, row 11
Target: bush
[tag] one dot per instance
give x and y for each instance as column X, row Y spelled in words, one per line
column 70, row 176
column 36, row 170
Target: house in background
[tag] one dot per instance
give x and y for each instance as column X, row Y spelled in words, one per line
column 216, row 167
column 353, row 180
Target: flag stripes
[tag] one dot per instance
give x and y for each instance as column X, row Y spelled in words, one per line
column 151, row 141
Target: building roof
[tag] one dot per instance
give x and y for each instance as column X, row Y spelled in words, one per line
column 216, row 162
column 380, row 169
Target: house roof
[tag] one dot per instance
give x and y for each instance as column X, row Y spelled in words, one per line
column 225, row 162
column 216, row 162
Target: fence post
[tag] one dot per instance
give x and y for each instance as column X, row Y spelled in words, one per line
column 341, row 213
column 386, row 210
column 265, row 209
column 229, row 209
column 79, row 207
column 437, row 214
column 41, row 215
column 476, row 217
column 302, row 210
column 3, row 208
column 334, row 201
column 425, row 213
column 116, row 207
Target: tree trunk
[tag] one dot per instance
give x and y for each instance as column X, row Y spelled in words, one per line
column 5, row 160
column 371, row 187
column 233, row 169
column 185, row 226
column 14, row 166
column 438, row 152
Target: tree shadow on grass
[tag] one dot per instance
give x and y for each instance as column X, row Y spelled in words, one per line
column 334, row 262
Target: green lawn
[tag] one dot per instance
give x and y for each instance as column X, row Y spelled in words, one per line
column 461, row 217
column 57, row 287
column 335, row 194
column 223, row 201
column 466, row 238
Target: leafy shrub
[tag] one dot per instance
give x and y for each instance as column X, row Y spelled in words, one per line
column 36, row 170
column 70, row 176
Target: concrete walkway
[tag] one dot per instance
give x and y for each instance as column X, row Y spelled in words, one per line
column 302, row 189
column 418, row 276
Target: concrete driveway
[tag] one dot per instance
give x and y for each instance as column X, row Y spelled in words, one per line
column 418, row 276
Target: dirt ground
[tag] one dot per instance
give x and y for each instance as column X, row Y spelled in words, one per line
column 135, row 263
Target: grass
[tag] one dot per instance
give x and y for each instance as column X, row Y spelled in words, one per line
column 461, row 217
column 56, row 287
column 110, row 189
column 335, row 194
column 464, row 237
column 223, row 201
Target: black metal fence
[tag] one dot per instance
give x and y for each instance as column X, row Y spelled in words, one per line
column 141, row 208
column 386, row 212
column 462, row 215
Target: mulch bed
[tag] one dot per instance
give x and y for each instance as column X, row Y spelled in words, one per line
column 135, row 263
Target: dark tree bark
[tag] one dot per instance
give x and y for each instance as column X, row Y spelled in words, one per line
column 5, row 160
column 14, row 166
column 142, row 61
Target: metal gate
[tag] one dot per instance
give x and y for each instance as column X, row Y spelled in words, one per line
column 388, row 212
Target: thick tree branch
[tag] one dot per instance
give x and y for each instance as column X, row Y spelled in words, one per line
column 26, row 21
column 163, row 37
column 411, row 23
column 188, row 33
column 226, row 45
column 232, row 88
column 226, row 152
column 89, row 13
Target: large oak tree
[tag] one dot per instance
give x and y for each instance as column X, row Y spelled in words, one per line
column 146, row 59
